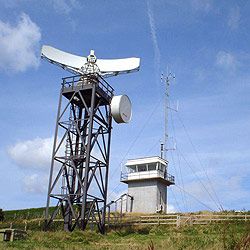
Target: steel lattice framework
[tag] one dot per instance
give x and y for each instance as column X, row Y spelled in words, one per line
column 80, row 160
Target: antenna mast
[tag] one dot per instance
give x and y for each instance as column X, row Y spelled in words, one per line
column 166, row 80
column 78, row 182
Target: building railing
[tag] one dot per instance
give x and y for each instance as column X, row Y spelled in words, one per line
column 169, row 177
column 147, row 174
column 82, row 80
column 124, row 176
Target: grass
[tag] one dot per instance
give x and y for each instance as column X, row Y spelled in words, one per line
column 214, row 236
column 233, row 235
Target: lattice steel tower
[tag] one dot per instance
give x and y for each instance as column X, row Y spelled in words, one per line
column 78, row 179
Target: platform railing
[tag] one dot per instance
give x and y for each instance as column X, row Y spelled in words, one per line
column 82, row 80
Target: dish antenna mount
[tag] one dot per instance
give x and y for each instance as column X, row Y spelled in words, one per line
column 78, row 181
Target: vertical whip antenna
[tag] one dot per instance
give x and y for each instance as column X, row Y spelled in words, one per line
column 166, row 79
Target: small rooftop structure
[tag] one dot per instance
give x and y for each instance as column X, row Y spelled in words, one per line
column 147, row 180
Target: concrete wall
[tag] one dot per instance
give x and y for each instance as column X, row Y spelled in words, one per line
column 148, row 196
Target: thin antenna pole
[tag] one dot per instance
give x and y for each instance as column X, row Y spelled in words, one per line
column 162, row 150
column 166, row 80
column 166, row 117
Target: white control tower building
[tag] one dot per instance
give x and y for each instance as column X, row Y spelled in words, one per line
column 147, row 180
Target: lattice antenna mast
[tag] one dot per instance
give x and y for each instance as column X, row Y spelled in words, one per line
column 78, row 181
column 166, row 80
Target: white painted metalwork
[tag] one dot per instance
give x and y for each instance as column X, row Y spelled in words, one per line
column 80, row 64
column 146, row 160
column 121, row 109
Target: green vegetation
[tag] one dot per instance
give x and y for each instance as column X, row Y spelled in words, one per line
column 232, row 234
column 29, row 213
column 33, row 213
column 214, row 236
column 1, row 215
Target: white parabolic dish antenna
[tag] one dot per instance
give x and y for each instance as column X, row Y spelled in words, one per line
column 77, row 64
column 121, row 109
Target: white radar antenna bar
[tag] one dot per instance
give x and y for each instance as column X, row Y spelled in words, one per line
column 83, row 65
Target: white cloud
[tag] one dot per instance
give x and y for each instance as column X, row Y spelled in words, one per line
column 201, row 5
column 19, row 45
column 32, row 153
column 35, row 183
column 64, row 7
column 153, row 31
column 234, row 18
column 223, row 184
column 228, row 190
column 226, row 60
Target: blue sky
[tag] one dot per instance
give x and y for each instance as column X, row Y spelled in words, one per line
column 204, row 42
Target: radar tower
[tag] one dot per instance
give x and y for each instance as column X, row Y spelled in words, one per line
column 78, row 181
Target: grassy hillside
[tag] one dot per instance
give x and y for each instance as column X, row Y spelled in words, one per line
column 214, row 236
column 222, row 235
column 28, row 213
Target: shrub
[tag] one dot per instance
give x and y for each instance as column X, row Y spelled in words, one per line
column 1, row 215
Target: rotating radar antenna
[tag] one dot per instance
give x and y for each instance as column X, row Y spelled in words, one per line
column 90, row 64
column 78, row 181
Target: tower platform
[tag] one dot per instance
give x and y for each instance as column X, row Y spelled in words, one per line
column 80, row 87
